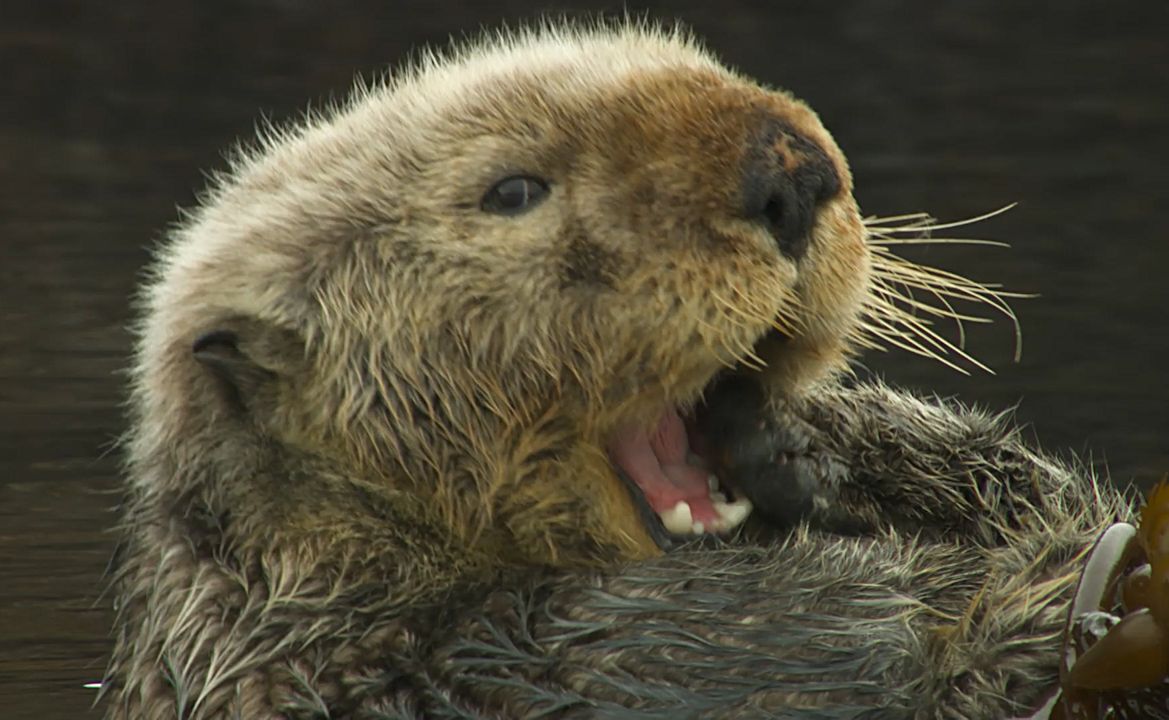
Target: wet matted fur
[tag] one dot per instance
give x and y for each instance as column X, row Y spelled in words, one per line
column 367, row 465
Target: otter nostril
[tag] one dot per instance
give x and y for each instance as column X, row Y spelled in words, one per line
column 772, row 215
column 787, row 214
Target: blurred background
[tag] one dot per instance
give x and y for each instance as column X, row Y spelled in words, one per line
column 110, row 113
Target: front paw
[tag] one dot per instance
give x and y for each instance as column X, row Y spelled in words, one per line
column 766, row 453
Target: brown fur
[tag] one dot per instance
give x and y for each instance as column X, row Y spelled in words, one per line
column 400, row 504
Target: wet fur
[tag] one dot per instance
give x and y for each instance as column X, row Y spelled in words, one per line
column 945, row 598
column 383, row 492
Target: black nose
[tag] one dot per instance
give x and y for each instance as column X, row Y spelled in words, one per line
column 786, row 177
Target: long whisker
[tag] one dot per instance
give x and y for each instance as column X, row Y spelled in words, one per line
column 892, row 311
column 956, row 286
column 908, row 341
column 925, row 221
column 885, row 241
column 948, row 311
column 931, row 343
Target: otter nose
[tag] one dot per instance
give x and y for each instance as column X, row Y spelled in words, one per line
column 786, row 177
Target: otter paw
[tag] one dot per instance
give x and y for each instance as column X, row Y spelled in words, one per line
column 766, row 454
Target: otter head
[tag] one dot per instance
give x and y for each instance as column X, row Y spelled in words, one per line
column 458, row 310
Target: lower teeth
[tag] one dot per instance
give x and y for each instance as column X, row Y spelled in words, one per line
column 733, row 514
column 679, row 520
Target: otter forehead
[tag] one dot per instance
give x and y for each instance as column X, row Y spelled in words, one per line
column 497, row 87
column 338, row 163
column 454, row 123
column 568, row 61
column 634, row 95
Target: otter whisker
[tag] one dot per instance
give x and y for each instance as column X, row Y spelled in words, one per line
column 925, row 221
column 793, row 312
column 883, row 241
column 895, row 279
column 945, row 346
column 724, row 354
column 891, row 295
column 888, row 327
column 965, row 290
column 735, row 314
column 948, row 312
column 751, row 361
column 907, row 319
column 754, row 313
column 790, row 318
column 884, row 259
column 900, row 315
column 742, row 353
column 741, row 317
column 888, row 316
column 915, row 279
column 908, row 342
column 890, row 265
column 866, row 340
column 918, row 350
column 786, row 325
column 880, row 221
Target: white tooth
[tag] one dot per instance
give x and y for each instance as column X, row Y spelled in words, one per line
column 712, row 483
column 678, row 519
column 732, row 514
column 697, row 528
column 718, row 497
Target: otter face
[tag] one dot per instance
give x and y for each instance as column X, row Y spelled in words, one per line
column 494, row 287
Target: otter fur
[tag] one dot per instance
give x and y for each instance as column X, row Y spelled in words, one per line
column 396, row 373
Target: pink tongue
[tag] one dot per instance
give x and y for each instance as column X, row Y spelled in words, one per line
column 657, row 463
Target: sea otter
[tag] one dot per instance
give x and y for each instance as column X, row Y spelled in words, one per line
column 454, row 401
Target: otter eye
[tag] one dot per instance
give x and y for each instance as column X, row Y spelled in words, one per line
column 514, row 195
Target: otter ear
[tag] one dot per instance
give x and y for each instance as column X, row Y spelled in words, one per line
column 247, row 356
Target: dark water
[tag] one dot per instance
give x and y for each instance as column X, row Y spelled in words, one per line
column 109, row 115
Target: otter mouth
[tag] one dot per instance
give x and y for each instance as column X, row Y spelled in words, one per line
column 673, row 471
column 671, row 478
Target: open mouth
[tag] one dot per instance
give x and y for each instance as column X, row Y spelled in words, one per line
column 677, row 473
